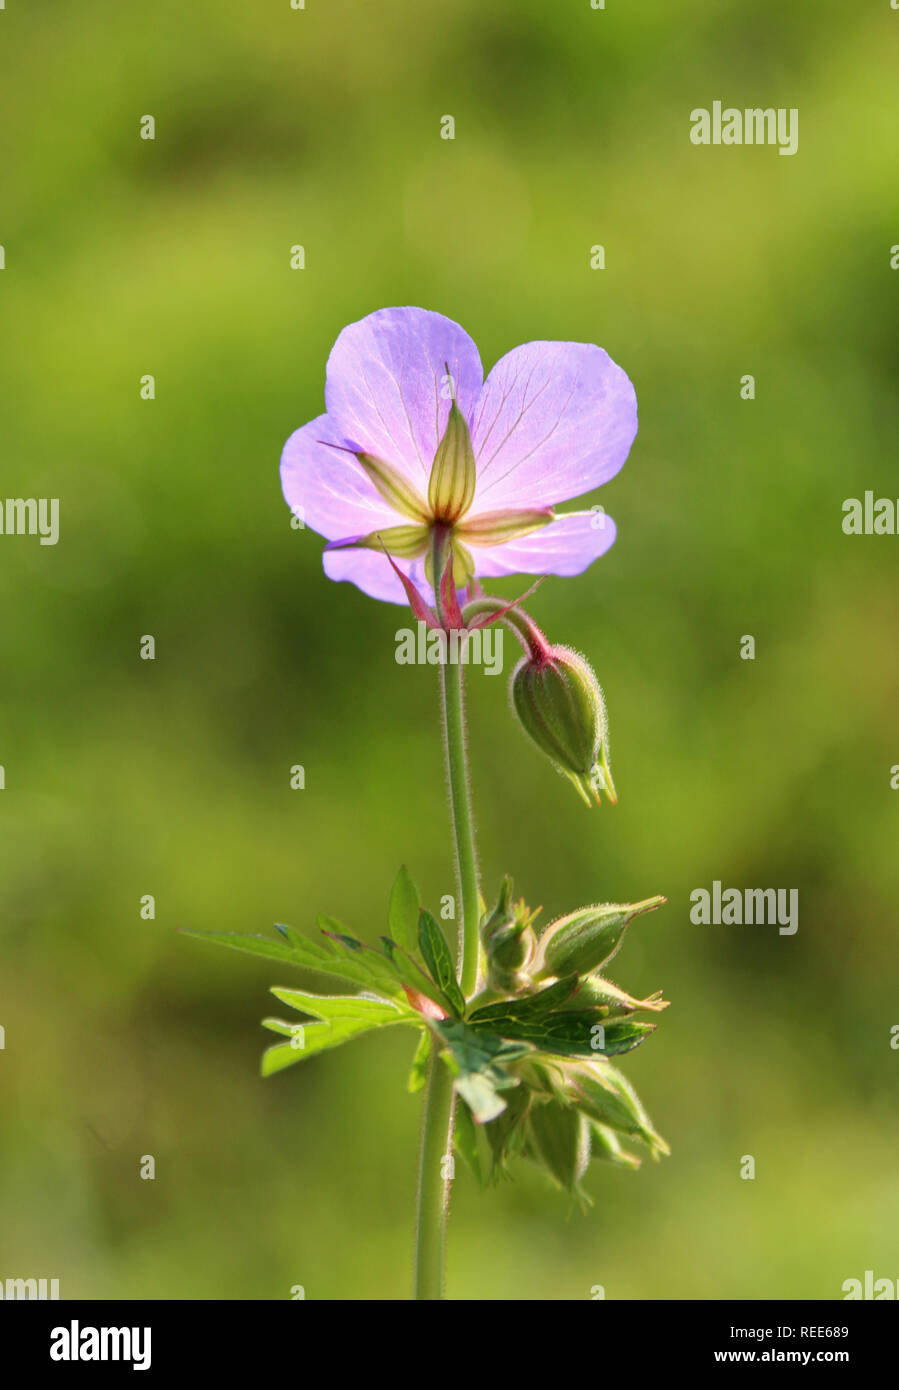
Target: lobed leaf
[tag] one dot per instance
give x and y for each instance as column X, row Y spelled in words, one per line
column 377, row 1012
column 316, row 1037
column 357, row 963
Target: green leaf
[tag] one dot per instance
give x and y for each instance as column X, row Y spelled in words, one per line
column 477, row 1049
column 477, row 1060
column 481, row 1096
column 280, row 1025
column 465, row 1141
column 623, row 1035
column 308, row 1039
column 377, row 1012
column 529, row 1005
column 353, row 955
column 575, row 1033
column 439, row 961
column 263, row 946
column 402, row 914
column 360, row 965
column 419, row 1073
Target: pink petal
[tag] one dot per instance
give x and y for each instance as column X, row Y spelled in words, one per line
column 386, row 392
column 328, row 488
column 566, row 546
column 554, row 420
column 371, row 571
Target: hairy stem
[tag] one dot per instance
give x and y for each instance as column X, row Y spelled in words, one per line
column 463, row 822
column 434, row 1181
column 435, row 1166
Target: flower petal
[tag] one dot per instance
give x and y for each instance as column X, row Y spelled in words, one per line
column 328, row 488
column 373, row 573
column 566, row 546
column 386, row 392
column 554, row 420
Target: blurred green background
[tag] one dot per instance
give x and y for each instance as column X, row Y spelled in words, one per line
column 126, row 777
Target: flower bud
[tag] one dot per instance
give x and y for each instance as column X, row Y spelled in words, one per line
column 559, row 1137
column 509, row 941
column 560, row 704
column 604, row 1094
column 585, row 940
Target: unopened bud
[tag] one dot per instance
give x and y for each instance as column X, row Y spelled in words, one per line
column 509, row 941
column 560, row 704
column 560, row 1138
column 584, row 940
column 605, row 1095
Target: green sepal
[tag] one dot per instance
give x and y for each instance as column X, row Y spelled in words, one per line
column 608, row 1148
column 402, row 913
column 598, row 992
column 437, row 957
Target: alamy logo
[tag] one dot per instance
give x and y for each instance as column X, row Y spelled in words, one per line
column 870, row 516
column 871, row 1288
column 754, row 126
column 480, row 646
column 736, row 907
column 31, row 516
column 77, row 1343
column 29, row 1288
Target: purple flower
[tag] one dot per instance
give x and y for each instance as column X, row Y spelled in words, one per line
column 416, row 443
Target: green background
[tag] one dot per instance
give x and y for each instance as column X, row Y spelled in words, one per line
column 126, row 777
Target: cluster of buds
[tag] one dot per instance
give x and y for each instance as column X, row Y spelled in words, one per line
column 569, row 1101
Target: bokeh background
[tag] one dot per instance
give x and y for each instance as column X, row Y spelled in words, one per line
column 125, row 777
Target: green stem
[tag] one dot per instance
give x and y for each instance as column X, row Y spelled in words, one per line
column 463, row 822
column 434, row 1181
column 437, row 1130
